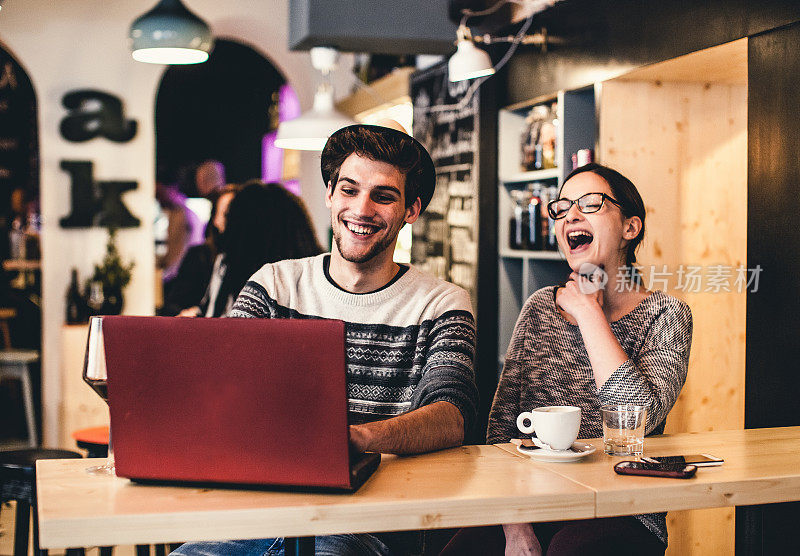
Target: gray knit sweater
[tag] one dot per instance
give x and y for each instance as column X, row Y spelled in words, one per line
column 407, row 345
column 547, row 364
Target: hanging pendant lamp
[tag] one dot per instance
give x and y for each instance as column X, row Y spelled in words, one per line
column 170, row 34
column 469, row 61
column 310, row 131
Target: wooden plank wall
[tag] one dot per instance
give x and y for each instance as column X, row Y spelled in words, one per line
column 684, row 145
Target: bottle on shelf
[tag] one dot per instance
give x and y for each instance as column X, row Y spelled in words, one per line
column 76, row 305
column 519, row 223
column 544, row 217
column 16, row 240
column 32, row 227
column 585, row 156
column 534, row 217
column 550, row 243
column 538, row 162
column 582, row 158
column 95, row 298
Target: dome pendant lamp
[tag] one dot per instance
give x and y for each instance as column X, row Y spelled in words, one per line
column 469, row 61
column 310, row 131
column 170, row 34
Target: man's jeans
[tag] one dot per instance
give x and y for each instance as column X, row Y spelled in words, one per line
column 333, row 545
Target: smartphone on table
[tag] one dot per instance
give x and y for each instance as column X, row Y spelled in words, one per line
column 700, row 460
column 650, row 469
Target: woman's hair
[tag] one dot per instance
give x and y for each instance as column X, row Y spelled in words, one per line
column 625, row 193
column 212, row 233
column 265, row 224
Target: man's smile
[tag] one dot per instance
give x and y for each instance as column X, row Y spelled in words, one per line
column 361, row 229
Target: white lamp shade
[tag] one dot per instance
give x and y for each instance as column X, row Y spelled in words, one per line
column 469, row 62
column 310, row 131
column 170, row 34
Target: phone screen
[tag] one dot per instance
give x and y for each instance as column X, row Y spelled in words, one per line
column 656, row 466
column 694, row 459
column 652, row 469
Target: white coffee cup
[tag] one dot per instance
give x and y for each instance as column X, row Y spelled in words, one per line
column 556, row 426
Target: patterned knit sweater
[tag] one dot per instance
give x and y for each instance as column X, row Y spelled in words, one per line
column 407, row 345
column 547, row 364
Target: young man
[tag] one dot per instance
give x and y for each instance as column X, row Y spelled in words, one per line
column 410, row 338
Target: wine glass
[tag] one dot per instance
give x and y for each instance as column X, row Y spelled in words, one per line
column 94, row 374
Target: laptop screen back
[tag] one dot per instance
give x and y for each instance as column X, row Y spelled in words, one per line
column 250, row 401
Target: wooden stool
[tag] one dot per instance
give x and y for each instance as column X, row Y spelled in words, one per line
column 18, row 482
column 14, row 364
column 94, row 440
column 6, row 314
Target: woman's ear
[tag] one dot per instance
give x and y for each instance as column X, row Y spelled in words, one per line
column 631, row 228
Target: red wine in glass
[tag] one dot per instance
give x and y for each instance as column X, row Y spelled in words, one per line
column 98, row 385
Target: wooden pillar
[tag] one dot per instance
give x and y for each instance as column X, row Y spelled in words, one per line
column 772, row 384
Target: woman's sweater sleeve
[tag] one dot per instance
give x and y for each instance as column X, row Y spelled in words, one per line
column 654, row 378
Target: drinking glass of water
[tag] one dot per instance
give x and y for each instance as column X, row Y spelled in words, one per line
column 623, row 429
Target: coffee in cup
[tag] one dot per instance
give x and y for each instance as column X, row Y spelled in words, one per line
column 556, row 426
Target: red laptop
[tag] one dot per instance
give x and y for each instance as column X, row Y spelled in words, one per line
column 231, row 401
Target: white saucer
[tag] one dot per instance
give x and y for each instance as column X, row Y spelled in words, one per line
column 578, row 451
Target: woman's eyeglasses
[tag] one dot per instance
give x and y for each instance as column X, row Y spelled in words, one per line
column 587, row 204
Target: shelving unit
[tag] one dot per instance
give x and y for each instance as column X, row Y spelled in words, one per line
column 445, row 237
column 522, row 272
column 386, row 92
column 456, row 237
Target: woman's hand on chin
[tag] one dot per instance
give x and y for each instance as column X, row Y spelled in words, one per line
column 579, row 296
column 521, row 540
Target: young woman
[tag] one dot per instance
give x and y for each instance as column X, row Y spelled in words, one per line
column 581, row 345
column 189, row 286
column 264, row 223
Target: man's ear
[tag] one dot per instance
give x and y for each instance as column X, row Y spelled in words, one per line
column 631, row 227
column 413, row 212
column 329, row 194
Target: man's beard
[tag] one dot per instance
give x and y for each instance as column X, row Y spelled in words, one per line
column 376, row 249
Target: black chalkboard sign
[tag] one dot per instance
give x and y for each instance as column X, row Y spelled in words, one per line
column 19, row 139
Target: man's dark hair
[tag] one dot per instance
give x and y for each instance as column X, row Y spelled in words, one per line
column 381, row 144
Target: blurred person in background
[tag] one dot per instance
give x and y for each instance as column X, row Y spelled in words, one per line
column 190, row 284
column 265, row 224
column 184, row 229
column 209, row 178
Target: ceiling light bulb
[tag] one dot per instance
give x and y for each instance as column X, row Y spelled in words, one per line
column 324, row 58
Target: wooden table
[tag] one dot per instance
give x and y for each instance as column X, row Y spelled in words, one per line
column 452, row 488
column 474, row 485
column 761, row 466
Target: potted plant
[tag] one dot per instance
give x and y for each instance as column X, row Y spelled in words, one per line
column 113, row 275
